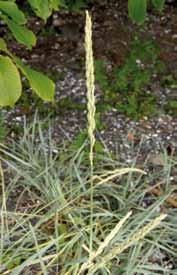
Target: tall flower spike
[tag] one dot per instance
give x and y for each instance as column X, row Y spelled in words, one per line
column 90, row 110
column 90, row 83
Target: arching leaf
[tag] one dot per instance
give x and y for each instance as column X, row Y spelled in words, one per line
column 3, row 46
column 41, row 84
column 10, row 83
column 12, row 10
column 42, row 8
column 21, row 33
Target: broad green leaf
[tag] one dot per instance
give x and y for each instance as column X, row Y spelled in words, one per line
column 41, row 84
column 11, row 10
column 137, row 10
column 42, row 8
column 158, row 4
column 3, row 46
column 55, row 4
column 10, row 83
column 21, row 33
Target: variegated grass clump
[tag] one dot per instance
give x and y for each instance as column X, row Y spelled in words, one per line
column 54, row 234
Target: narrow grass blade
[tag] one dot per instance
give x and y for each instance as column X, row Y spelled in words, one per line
column 127, row 243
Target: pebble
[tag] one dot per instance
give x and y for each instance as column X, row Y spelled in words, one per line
column 174, row 36
column 18, row 118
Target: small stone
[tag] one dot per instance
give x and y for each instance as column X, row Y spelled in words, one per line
column 18, row 118
column 174, row 36
column 167, row 31
column 55, row 151
column 34, row 56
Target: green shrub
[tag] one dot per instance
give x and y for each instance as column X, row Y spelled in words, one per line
column 125, row 87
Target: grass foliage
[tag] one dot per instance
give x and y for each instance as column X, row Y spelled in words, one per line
column 60, row 215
